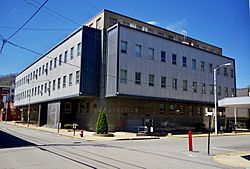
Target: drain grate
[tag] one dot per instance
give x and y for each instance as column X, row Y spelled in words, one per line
column 247, row 157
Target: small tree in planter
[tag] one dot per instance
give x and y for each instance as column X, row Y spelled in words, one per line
column 102, row 124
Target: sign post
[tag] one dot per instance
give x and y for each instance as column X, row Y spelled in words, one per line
column 209, row 114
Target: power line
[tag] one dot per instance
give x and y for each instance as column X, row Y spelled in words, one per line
column 6, row 40
column 38, row 53
column 28, row 20
column 52, row 12
column 37, row 29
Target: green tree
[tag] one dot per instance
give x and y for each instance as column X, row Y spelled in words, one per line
column 102, row 124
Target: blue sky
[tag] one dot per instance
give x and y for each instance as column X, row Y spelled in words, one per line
column 223, row 23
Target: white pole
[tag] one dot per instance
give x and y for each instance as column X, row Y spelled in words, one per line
column 215, row 103
column 235, row 116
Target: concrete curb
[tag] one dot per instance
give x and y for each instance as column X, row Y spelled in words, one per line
column 87, row 137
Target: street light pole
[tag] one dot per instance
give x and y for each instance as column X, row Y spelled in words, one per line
column 215, row 96
column 29, row 112
column 215, row 103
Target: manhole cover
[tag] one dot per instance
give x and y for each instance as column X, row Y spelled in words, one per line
column 247, row 157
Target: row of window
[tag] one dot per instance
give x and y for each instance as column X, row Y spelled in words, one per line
column 53, row 63
column 163, row 58
column 174, row 83
column 46, row 87
column 113, row 21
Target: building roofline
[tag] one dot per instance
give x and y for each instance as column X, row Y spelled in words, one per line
column 171, row 41
column 106, row 10
column 51, row 49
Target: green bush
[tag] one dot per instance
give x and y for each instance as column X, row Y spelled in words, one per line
column 102, row 124
column 68, row 126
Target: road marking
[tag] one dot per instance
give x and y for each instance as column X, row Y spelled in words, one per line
column 223, row 149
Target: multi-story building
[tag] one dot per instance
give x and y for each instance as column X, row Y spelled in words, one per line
column 6, row 103
column 138, row 73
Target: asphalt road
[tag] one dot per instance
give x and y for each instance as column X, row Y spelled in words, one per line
column 23, row 148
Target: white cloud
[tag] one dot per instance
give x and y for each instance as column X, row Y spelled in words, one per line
column 178, row 26
column 153, row 22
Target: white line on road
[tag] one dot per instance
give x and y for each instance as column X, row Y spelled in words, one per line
column 223, row 149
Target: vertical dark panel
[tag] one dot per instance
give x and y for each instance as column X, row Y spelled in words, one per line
column 90, row 62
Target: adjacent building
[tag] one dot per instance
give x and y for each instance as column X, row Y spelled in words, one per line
column 136, row 72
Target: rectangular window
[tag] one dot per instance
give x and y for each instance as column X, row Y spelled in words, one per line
column 151, row 54
column 226, row 92
column 232, row 90
column 41, row 90
column 78, row 49
column 162, row 108
column 219, row 90
column 194, row 87
column 138, row 78
column 65, row 56
column 124, row 46
column 98, row 23
column 35, row 91
column 194, row 64
column 54, row 85
column 72, row 53
column 138, row 50
column 218, row 70
column 39, row 71
column 202, row 66
column 55, row 62
column 45, row 88
column 43, row 69
column 58, row 83
column 123, row 76
column 211, row 89
column 163, row 56
column 70, row 79
column 210, row 68
column 64, row 81
column 50, row 64
column 151, row 79
column 60, row 59
column 46, row 69
column 38, row 90
column 163, row 82
column 174, row 84
column 185, row 83
column 174, row 59
column 77, row 77
column 232, row 73
column 184, row 61
column 225, row 71
column 203, row 88
column 49, row 87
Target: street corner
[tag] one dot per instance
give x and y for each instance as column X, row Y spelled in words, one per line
column 235, row 159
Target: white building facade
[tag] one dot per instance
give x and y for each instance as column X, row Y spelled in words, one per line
column 137, row 76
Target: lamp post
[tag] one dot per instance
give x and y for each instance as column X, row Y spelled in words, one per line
column 29, row 111
column 215, row 96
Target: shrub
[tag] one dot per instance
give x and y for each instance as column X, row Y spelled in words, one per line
column 68, row 126
column 102, row 124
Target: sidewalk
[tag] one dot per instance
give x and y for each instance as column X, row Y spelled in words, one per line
column 212, row 135
column 233, row 159
column 87, row 135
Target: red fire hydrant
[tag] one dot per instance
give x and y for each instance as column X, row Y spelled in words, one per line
column 81, row 133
